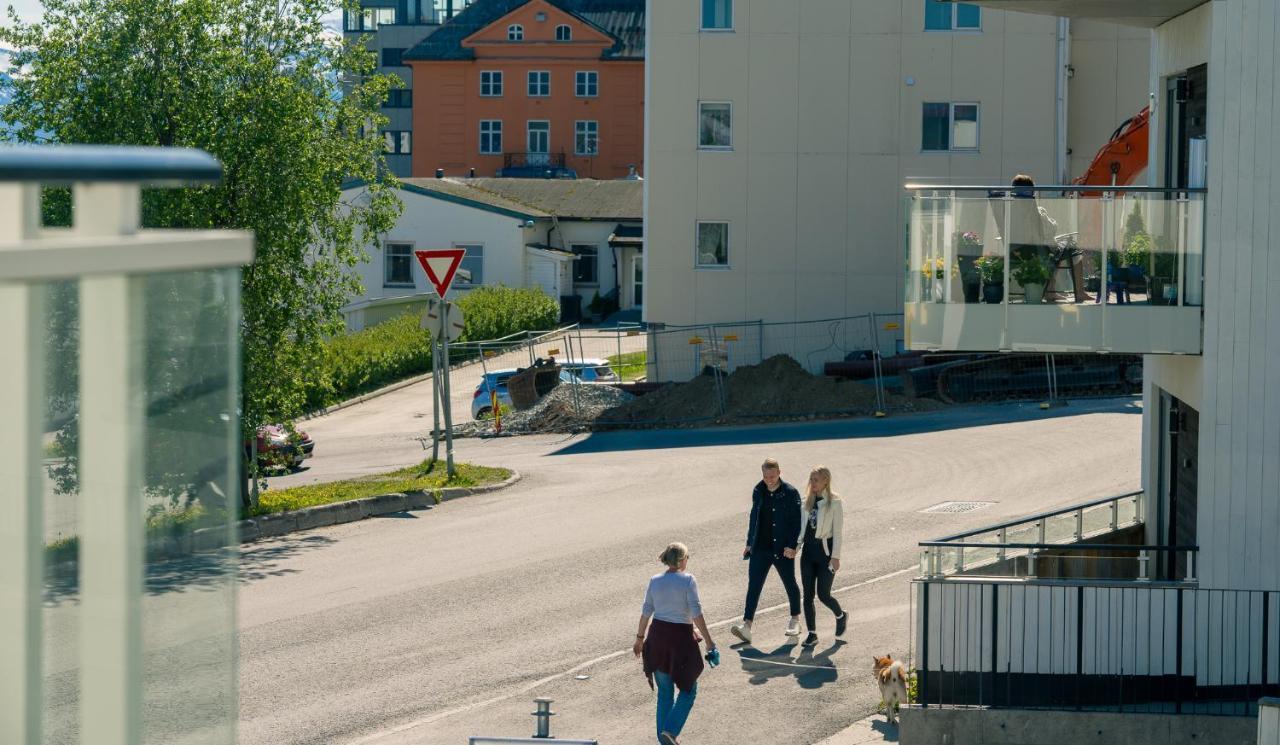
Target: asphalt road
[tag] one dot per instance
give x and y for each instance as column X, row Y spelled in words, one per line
column 431, row 626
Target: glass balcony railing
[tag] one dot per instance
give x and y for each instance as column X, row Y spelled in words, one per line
column 1058, row 269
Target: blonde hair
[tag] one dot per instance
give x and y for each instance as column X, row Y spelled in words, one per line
column 809, row 497
column 770, row 463
column 675, row 553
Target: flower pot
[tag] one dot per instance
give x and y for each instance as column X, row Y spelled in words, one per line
column 972, row 289
column 1034, row 293
column 992, row 293
column 939, row 291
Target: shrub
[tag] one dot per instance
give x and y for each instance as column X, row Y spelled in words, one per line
column 368, row 359
column 495, row 312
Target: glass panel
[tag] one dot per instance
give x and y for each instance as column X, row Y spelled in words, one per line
column 935, row 122
column 937, row 15
column 964, row 128
column 717, row 14
column 968, row 16
column 713, row 244
column 716, row 125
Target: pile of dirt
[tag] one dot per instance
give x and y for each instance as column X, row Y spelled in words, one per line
column 566, row 409
column 777, row 389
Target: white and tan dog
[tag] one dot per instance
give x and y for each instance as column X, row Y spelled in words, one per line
column 891, row 676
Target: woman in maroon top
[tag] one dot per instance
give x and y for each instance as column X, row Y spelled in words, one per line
column 672, row 608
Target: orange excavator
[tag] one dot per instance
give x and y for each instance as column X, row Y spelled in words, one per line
column 1124, row 156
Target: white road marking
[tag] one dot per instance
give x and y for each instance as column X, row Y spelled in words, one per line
column 596, row 661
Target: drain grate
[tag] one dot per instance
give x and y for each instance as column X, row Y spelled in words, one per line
column 953, row 508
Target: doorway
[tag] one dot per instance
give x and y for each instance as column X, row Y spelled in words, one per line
column 1179, row 479
column 539, row 142
column 637, row 280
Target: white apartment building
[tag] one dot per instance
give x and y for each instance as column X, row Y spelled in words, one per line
column 780, row 135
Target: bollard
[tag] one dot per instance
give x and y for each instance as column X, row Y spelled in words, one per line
column 544, row 714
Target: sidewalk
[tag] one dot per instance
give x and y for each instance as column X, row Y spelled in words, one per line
column 872, row 729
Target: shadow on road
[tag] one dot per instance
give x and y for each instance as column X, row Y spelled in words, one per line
column 811, row 670
column 206, row 570
column 960, row 417
column 890, row 731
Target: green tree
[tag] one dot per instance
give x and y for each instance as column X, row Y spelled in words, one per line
column 259, row 84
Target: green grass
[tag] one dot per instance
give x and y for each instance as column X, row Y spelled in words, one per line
column 425, row 476
column 629, row 365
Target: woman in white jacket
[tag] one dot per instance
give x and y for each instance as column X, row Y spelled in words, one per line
column 821, row 530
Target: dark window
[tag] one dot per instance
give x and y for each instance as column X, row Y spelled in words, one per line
column 491, row 83
column 947, row 16
column 564, row 33
column 586, row 267
column 490, row 136
column 472, row 261
column 391, row 57
column 586, row 138
column 515, row 32
column 539, row 84
column 587, row 84
column 937, row 126
column 399, row 98
column 717, row 15
column 949, row 126
column 713, row 244
column 397, row 142
column 397, row 265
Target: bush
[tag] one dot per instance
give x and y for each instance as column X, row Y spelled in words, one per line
column 357, row 363
column 495, row 312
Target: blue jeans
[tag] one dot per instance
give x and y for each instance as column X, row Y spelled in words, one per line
column 673, row 710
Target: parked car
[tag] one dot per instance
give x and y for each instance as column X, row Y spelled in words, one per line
column 591, row 370
column 482, row 400
column 278, row 449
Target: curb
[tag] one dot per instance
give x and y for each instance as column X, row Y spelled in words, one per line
column 308, row 518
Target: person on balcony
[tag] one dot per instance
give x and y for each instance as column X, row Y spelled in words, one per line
column 667, row 641
column 820, row 541
column 772, row 537
column 1034, row 234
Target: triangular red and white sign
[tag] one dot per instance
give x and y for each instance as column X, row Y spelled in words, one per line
column 441, row 264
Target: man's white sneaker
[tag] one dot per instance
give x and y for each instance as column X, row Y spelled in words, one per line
column 793, row 627
column 742, row 631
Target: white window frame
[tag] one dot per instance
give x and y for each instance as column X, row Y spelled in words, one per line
column 397, row 141
column 954, row 29
column 704, row 28
column 951, row 127
column 515, row 32
column 578, row 131
column 697, row 259
column 528, row 129
column 698, row 134
column 386, row 264
column 586, row 83
column 568, row 32
column 478, row 252
column 529, row 84
column 496, row 83
column 492, row 131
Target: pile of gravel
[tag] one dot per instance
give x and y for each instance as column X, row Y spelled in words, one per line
column 566, row 409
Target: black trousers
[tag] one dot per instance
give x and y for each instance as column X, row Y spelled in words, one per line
column 758, row 572
column 816, row 577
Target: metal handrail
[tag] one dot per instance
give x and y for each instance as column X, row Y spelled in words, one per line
column 54, row 165
column 1031, row 519
column 1059, row 187
column 1055, row 546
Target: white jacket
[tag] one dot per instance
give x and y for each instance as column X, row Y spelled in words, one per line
column 830, row 524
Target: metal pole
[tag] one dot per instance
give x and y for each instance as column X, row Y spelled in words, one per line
column 435, row 400
column 446, row 393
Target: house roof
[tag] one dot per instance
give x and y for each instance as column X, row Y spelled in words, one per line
column 456, row 191
column 567, row 199
column 621, row 19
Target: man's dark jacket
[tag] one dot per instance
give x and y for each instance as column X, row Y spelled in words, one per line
column 786, row 518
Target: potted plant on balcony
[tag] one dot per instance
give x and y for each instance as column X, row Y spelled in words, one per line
column 1135, row 251
column 991, row 270
column 968, row 249
column 1164, row 276
column 1030, row 272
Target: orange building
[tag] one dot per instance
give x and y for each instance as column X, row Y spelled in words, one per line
column 523, row 87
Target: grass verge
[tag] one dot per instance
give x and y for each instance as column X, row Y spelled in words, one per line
column 629, row 365
column 425, row 476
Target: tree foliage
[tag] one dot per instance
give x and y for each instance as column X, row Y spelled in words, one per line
column 259, row 84
column 493, row 312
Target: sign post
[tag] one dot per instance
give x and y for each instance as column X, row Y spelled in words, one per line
column 441, row 266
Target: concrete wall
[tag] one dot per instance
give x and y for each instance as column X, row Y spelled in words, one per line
column 827, row 108
column 1013, row 727
column 1111, row 83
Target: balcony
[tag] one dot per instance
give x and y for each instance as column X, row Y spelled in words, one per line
column 1059, row 269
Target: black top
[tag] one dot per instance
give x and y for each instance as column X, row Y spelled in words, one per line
column 782, row 515
column 813, row 546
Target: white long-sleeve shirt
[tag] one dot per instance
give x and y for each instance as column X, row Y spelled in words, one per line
column 673, row 597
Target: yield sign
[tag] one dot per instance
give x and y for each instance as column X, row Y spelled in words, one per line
column 441, row 265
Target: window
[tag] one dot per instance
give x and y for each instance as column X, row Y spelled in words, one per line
column 564, row 33
column 352, row 20
column 515, row 32
column 717, row 15
column 490, row 136
column 397, row 262
column 586, row 84
column 399, row 98
column 371, row 18
column 473, row 262
column 391, row 57
column 713, row 244
column 539, row 84
column 586, row 267
column 586, row 139
column 397, row 141
column 539, row 142
column 950, row 127
column 714, row 130
column 946, row 16
column 491, row 83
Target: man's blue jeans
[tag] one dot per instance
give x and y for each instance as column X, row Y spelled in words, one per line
column 673, row 710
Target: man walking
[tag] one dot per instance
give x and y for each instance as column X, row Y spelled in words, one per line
column 772, row 534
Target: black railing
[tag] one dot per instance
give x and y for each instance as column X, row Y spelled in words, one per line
column 532, row 160
column 1132, row 647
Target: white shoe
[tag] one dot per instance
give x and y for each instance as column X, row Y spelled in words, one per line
column 742, row 631
column 793, row 627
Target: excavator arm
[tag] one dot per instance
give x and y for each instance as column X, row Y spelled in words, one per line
column 1123, row 157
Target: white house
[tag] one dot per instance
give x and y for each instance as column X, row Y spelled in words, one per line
column 574, row 239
